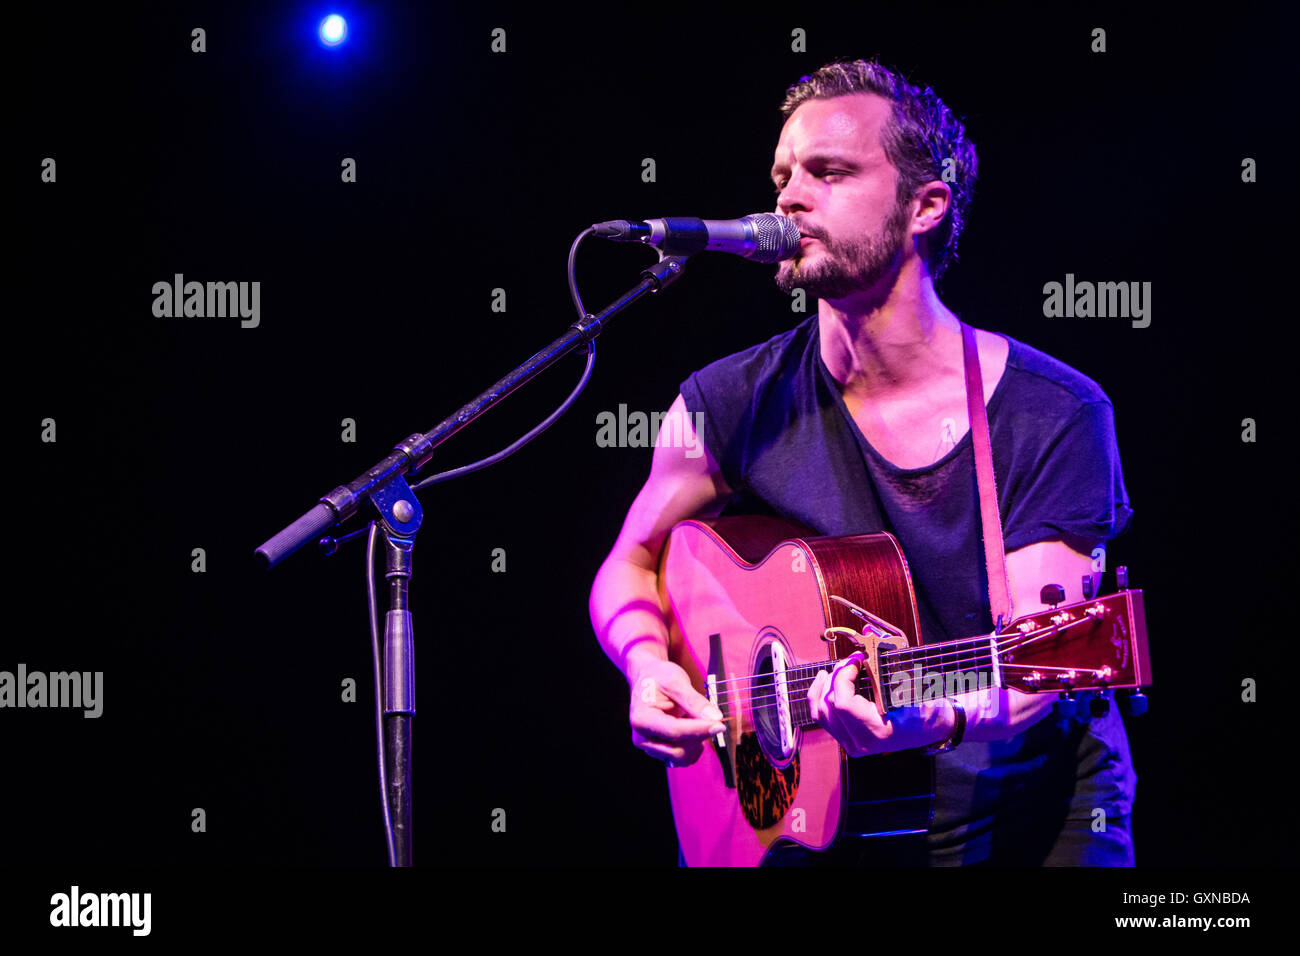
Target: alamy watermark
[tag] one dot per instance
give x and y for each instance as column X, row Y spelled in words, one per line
column 81, row 690
column 639, row 430
column 1098, row 300
column 211, row 300
column 76, row 908
column 912, row 687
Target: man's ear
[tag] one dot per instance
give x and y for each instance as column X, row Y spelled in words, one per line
column 932, row 202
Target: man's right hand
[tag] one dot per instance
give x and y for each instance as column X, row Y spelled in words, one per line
column 670, row 719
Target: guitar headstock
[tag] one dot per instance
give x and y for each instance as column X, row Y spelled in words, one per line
column 1097, row 644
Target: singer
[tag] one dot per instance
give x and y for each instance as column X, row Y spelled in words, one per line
column 856, row 420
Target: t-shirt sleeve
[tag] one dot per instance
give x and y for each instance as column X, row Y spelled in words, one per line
column 720, row 412
column 1075, row 487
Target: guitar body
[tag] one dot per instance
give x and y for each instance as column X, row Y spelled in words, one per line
column 748, row 600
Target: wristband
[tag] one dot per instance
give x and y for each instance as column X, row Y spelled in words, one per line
column 958, row 730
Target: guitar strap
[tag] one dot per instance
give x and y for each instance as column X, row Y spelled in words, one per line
column 994, row 554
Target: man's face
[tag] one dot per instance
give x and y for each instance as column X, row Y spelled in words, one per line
column 834, row 180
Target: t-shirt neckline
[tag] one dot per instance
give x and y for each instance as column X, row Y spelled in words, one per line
column 953, row 452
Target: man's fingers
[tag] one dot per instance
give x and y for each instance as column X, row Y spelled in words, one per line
column 680, row 755
column 655, row 724
column 689, row 699
column 816, row 698
column 664, row 752
column 843, row 688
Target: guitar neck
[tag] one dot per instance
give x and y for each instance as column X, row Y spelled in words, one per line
column 935, row 671
column 948, row 669
column 1093, row 645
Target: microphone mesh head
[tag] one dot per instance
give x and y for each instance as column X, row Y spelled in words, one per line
column 776, row 237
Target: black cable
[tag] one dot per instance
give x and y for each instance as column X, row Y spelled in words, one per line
column 573, row 272
column 550, row 419
column 379, row 692
column 445, row 476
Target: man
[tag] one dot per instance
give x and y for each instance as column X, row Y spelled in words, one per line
column 856, row 421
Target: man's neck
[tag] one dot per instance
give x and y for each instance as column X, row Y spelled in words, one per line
column 894, row 342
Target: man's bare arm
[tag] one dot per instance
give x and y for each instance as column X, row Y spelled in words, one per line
column 624, row 606
column 669, row 718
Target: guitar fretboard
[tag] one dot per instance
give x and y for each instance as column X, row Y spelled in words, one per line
column 908, row 677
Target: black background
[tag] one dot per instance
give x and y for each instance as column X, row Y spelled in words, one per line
column 475, row 171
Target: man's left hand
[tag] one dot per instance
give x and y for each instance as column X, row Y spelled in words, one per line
column 856, row 723
column 993, row 713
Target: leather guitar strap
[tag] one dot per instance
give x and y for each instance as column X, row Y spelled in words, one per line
column 994, row 554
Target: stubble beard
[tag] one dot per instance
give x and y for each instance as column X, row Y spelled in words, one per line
column 847, row 265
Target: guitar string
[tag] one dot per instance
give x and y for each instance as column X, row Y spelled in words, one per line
column 795, row 676
column 943, row 658
column 1006, row 638
column 932, row 653
column 798, row 694
column 794, row 694
column 943, row 661
column 1007, row 641
column 798, row 710
column 1012, row 641
column 795, row 702
column 927, row 652
column 731, row 698
column 807, row 682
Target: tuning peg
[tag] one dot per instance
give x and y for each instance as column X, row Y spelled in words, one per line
column 1121, row 577
column 1137, row 704
column 1099, row 706
column 1052, row 594
column 1088, row 590
column 1065, row 707
column 1082, row 711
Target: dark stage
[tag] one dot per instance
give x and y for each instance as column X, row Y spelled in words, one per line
column 387, row 302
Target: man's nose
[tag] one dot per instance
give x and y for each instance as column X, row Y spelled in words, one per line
column 793, row 196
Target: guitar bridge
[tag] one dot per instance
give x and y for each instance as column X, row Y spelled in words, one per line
column 721, row 742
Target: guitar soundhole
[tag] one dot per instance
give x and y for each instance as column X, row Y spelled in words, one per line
column 765, row 792
column 764, row 711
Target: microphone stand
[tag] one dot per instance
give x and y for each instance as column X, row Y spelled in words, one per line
column 400, row 516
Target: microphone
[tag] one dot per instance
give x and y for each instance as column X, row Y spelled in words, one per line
column 762, row 237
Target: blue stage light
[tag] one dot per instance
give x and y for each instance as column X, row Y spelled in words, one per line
column 333, row 30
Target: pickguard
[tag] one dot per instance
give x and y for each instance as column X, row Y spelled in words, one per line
column 765, row 792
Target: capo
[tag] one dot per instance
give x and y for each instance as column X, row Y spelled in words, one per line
column 877, row 626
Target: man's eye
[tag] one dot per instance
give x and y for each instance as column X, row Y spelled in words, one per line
column 777, row 187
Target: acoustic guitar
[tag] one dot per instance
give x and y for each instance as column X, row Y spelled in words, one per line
column 757, row 607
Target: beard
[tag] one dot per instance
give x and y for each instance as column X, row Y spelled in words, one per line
column 847, row 265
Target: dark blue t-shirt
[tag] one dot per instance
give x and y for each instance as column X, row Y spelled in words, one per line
column 776, row 423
